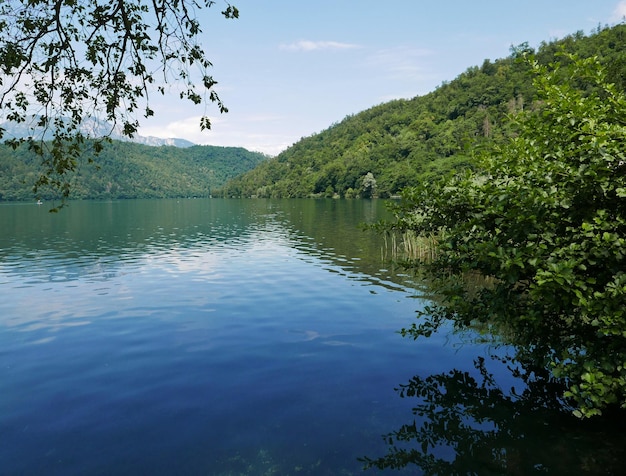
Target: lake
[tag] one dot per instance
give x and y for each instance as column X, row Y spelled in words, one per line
column 243, row 337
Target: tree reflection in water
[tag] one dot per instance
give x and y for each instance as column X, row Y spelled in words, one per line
column 465, row 424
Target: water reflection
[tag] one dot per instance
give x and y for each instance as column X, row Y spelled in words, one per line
column 92, row 239
column 221, row 333
column 195, row 337
column 466, row 423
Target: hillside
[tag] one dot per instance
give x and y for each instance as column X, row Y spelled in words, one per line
column 128, row 170
column 401, row 142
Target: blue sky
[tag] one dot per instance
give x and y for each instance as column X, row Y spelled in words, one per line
column 290, row 68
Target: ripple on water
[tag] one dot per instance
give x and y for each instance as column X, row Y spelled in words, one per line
column 148, row 348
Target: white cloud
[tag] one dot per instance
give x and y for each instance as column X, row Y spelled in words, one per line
column 184, row 129
column 619, row 12
column 308, row 45
column 403, row 63
column 244, row 132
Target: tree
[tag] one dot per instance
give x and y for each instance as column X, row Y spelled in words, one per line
column 543, row 226
column 368, row 185
column 65, row 61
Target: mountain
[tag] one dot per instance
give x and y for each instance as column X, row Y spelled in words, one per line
column 390, row 146
column 157, row 141
column 129, row 170
column 91, row 127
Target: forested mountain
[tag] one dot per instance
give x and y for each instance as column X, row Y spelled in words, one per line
column 128, row 170
column 383, row 149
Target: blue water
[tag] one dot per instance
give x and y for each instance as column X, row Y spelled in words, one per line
column 201, row 337
column 252, row 337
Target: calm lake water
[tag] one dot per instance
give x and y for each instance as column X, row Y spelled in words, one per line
column 237, row 337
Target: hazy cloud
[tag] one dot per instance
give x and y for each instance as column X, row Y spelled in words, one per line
column 403, row 62
column 620, row 12
column 308, row 45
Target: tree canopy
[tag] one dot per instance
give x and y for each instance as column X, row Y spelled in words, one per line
column 129, row 170
column 405, row 141
column 62, row 61
column 542, row 223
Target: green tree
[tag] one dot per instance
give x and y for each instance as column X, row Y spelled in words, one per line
column 543, row 223
column 368, row 185
column 64, row 61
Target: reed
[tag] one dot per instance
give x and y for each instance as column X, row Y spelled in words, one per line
column 420, row 247
column 409, row 246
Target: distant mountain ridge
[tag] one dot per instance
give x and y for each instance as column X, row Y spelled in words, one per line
column 90, row 127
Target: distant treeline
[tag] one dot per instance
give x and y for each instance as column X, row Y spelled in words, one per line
column 393, row 145
column 128, row 170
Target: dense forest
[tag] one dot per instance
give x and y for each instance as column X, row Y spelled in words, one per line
column 128, row 170
column 382, row 150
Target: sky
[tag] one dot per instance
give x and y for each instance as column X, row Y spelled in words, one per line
column 287, row 69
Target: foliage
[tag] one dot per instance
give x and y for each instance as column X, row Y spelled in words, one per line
column 544, row 218
column 62, row 61
column 128, row 170
column 404, row 142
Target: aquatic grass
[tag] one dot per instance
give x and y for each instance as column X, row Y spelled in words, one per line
column 409, row 246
